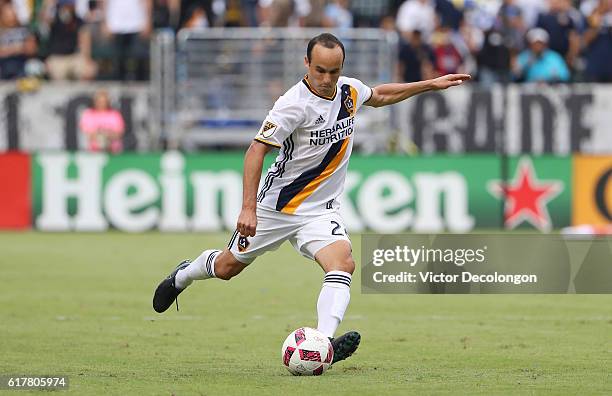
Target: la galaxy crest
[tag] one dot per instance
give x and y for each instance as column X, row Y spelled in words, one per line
column 349, row 104
column 243, row 243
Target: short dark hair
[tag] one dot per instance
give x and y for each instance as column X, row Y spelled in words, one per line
column 327, row 40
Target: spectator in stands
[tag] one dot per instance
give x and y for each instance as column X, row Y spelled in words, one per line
column 283, row 13
column 249, row 11
column 17, row 44
column 598, row 40
column 315, row 16
column 196, row 18
column 387, row 23
column 338, row 15
column 448, row 58
column 85, row 7
column 129, row 23
column 166, row 14
column 511, row 26
column 416, row 58
column 368, row 13
column 187, row 7
column 530, row 9
column 538, row 63
column 493, row 59
column 561, row 25
column 103, row 125
column 276, row 13
column 478, row 19
column 301, row 10
column 448, row 14
column 69, row 44
column 232, row 15
column 482, row 15
column 468, row 40
column 417, row 15
column 23, row 9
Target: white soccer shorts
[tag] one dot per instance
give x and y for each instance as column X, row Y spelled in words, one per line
column 307, row 234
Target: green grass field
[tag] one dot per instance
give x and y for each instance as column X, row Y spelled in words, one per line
column 80, row 305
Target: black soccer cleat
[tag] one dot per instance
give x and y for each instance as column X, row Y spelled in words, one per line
column 166, row 292
column 345, row 345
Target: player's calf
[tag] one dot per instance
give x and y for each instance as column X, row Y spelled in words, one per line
column 338, row 264
column 226, row 266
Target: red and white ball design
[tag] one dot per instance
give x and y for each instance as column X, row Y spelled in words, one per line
column 306, row 351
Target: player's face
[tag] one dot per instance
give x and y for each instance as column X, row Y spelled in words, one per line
column 324, row 68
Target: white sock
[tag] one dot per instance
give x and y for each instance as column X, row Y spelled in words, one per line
column 333, row 300
column 203, row 267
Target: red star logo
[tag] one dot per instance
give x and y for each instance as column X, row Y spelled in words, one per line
column 526, row 197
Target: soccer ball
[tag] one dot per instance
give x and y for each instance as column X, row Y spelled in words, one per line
column 306, row 351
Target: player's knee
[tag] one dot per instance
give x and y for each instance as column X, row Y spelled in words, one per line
column 349, row 264
column 346, row 265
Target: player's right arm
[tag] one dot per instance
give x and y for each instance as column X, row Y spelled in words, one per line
column 253, row 163
column 286, row 115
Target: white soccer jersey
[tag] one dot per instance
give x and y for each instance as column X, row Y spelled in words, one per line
column 315, row 137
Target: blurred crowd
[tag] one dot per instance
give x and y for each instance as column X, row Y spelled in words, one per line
column 495, row 40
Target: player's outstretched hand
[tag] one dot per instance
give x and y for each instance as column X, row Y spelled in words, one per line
column 449, row 80
column 247, row 222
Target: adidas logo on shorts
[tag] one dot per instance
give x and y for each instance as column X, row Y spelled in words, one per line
column 320, row 120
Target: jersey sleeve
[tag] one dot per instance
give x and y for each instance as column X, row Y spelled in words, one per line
column 364, row 93
column 284, row 118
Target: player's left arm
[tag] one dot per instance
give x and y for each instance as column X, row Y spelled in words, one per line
column 388, row 94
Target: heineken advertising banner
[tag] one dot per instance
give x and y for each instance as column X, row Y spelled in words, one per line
column 176, row 192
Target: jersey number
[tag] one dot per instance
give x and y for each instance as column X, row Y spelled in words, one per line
column 337, row 229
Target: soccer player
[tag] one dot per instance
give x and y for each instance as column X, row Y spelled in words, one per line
column 312, row 125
